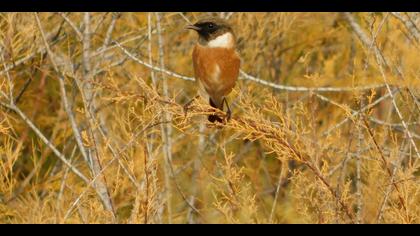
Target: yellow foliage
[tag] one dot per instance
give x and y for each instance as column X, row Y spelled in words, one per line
column 325, row 126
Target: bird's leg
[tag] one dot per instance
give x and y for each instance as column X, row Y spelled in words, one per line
column 213, row 118
column 187, row 105
column 228, row 112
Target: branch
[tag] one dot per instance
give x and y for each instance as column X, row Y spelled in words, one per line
column 409, row 25
column 45, row 140
column 384, row 162
column 107, row 40
column 306, row 89
column 381, row 63
column 251, row 78
column 354, row 113
column 66, row 104
column 170, row 73
column 72, row 25
column 89, row 104
column 166, row 129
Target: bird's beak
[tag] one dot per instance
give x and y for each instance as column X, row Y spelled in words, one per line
column 193, row 27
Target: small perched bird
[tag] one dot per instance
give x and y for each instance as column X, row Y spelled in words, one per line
column 216, row 62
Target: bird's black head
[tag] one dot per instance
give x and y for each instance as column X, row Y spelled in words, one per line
column 210, row 28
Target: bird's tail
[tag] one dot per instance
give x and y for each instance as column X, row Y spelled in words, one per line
column 218, row 105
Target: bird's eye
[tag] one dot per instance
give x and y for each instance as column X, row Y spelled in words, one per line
column 211, row 26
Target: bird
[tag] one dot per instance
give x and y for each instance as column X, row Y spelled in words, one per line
column 216, row 62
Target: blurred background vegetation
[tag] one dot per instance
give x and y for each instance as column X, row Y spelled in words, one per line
column 325, row 125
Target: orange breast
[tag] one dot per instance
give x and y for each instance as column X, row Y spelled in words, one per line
column 217, row 69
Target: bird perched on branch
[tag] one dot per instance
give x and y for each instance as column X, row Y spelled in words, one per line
column 216, row 62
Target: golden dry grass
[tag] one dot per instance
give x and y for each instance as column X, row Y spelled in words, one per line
column 325, row 125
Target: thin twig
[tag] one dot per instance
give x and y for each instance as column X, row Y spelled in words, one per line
column 45, row 140
column 107, row 40
column 92, row 163
column 196, row 168
column 166, row 129
column 384, row 162
column 72, row 25
column 306, row 89
column 409, row 25
column 158, row 69
column 354, row 113
column 358, row 169
column 66, row 103
column 252, row 78
column 276, row 195
column 381, row 63
column 149, row 47
column 90, row 106
column 9, row 79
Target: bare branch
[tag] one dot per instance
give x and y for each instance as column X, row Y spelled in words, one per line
column 409, row 25
column 66, row 103
column 170, row 73
column 381, row 63
column 149, row 47
column 93, row 164
column 45, row 140
column 355, row 113
column 90, row 106
column 306, row 89
column 72, row 25
column 252, row 78
column 166, row 129
column 107, row 40
column 9, row 79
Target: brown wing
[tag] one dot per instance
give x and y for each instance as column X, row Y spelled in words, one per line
column 199, row 69
column 204, row 68
column 195, row 61
column 229, row 63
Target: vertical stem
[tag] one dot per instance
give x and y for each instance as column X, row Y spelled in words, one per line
column 149, row 46
column 194, row 187
column 94, row 166
column 89, row 103
column 107, row 41
column 166, row 128
column 409, row 25
column 282, row 173
column 149, row 140
column 382, row 63
column 70, row 114
column 358, row 167
column 9, row 79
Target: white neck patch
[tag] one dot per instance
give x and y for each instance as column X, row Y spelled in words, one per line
column 223, row 41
